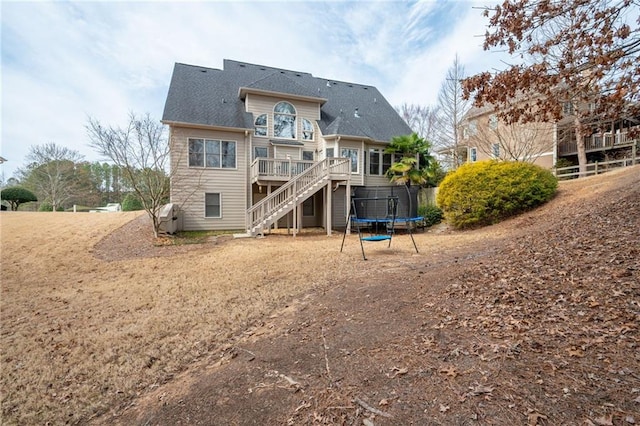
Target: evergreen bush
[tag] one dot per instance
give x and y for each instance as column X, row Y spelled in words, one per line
column 486, row 192
column 48, row 207
column 16, row 195
column 432, row 214
column 131, row 202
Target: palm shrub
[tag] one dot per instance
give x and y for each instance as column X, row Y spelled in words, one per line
column 486, row 192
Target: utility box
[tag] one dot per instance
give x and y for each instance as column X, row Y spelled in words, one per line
column 169, row 218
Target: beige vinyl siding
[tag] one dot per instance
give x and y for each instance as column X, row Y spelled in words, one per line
column 545, row 160
column 281, row 151
column 339, row 208
column 539, row 135
column 190, row 184
column 356, row 179
column 260, row 104
column 318, row 207
column 376, row 181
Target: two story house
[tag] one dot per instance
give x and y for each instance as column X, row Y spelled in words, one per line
column 484, row 136
column 255, row 147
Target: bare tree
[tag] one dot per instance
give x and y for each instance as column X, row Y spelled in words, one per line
column 141, row 151
column 51, row 173
column 513, row 142
column 421, row 118
column 577, row 59
column 452, row 107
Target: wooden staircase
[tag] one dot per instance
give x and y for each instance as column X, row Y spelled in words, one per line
column 294, row 192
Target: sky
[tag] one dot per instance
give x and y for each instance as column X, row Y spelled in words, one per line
column 63, row 62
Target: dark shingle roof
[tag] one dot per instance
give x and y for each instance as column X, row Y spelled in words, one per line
column 206, row 96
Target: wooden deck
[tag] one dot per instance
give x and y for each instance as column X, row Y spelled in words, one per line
column 599, row 142
column 283, row 170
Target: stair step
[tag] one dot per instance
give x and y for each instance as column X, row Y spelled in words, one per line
column 310, row 182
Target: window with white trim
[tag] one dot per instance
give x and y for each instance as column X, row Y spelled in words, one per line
column 353, row 155
column 387, row 160
column 261, row 125
column 307, row 130
column 260, row 152
column 211, row 153
column 567, row 108
column 473, row 128
column 374, row 161
column 284, row 121
column 212, row 205
column 330, row 152
column 307, row 155
column 493, row 122
column 495, row 150
column 473, row 155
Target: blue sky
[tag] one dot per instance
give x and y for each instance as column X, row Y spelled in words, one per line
column 65, row 61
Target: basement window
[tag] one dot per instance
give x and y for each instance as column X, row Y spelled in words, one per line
column 212, row 205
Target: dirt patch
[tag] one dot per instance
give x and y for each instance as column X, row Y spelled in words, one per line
column 136, row 240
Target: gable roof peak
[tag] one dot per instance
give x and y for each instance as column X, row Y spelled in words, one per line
column 230, row 65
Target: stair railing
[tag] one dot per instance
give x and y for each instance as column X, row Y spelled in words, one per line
column 282, row 200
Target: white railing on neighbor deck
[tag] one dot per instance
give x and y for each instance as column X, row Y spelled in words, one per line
column 280, row 202
column 599, row 142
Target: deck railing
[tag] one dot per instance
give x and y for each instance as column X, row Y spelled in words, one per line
column 277, row 169
column 597, row 142
column 280, row 202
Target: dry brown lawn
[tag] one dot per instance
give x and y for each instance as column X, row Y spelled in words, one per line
column 95, row 317
column 82, row 335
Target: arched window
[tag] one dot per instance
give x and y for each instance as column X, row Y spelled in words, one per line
column 284, row 121
column 307, row 130
column 261, row 125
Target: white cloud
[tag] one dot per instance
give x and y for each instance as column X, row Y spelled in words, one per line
column 426, row 70
column 65, row 61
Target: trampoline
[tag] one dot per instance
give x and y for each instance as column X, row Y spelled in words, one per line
column 375, row 217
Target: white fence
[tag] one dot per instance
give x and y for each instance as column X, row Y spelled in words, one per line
column 573, row 172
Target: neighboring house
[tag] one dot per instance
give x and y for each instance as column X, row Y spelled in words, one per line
column 544, row 143
column 486, row 137
column 255, row 147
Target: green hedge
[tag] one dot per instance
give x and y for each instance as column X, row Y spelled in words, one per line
column 48, row 207
column 16, row 195
column 486, row 192
column 131, row 203
column 432, row 215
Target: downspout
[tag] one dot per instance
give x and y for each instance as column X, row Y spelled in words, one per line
column 171, row 171
column 364, row 163
column 555, row 146
column 248, row 141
